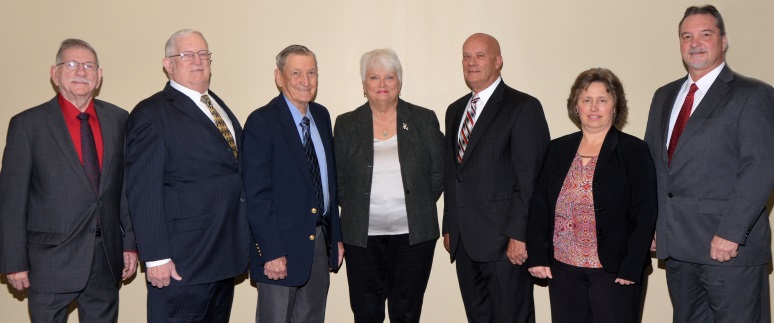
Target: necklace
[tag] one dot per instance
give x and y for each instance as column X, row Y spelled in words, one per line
column 385, row 133
column 582, row 156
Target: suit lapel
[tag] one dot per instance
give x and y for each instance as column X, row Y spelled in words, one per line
column 484, row 119
column 365, row 130
column 607, row 150
column 404, row 136
column 190, row 108
column 710, row 101
column 58, row 127
column 666, row 113
column 109, row 142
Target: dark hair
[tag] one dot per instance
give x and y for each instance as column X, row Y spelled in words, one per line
column 74, row 43
column 613, row 85
column 293, row 49
column 705, row 10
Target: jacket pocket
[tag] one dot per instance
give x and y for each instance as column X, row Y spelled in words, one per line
column 49, row 238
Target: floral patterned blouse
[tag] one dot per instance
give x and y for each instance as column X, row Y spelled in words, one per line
column 575, row 224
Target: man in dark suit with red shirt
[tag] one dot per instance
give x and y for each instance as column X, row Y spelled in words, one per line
column 65, row 231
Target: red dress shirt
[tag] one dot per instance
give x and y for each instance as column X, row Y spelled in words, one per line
column 74, row 126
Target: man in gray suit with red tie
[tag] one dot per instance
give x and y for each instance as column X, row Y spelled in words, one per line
column 185, row 190
column 65, row 231
column 711, row 135
column 496, row 138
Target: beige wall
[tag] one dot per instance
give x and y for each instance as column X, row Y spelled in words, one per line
column 545, row 45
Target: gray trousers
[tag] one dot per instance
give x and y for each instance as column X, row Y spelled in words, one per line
column 277, row 304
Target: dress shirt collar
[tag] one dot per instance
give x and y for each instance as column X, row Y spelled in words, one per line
column 195, row 96
column 71, row 112
column 485, row 94
column 706, row 81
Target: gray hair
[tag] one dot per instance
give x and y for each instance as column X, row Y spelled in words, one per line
column 74, row 43
column 282, row 57
column 385, row 58
column 705, row 10
column 170, row 47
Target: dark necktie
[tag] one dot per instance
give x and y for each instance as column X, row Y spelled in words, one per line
column 682, row 119
column 222, row 127
column 89, row 156
column 467, row 127
column 314, row 166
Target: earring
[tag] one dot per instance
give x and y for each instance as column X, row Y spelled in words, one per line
column 364, row 95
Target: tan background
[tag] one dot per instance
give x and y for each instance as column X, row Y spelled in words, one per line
column 545, row 45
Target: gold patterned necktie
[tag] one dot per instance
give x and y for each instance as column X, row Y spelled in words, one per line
column 221, row 125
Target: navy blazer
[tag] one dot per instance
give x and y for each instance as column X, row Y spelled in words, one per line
column 184, row 188
column 624, row 190
column 281, row 200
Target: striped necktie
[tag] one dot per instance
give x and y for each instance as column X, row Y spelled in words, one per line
column 467, row 127
column 222, row 127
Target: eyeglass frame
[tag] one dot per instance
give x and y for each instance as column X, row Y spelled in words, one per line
column 182, row 55
column 74, row 65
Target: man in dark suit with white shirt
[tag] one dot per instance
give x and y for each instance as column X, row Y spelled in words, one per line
column 496, row 138
column 185, row 190
column 710, row 134
column 65, row 231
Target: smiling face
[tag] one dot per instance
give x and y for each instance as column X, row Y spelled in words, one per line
column 298, row 79
column 381, row 86
column 596, row 108
column 76, row 85
column 481, row 61
column 701, row 44
column 193, row 74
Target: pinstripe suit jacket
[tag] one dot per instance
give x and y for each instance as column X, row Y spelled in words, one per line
column 184, row 188
column 48, row 209
column 486, row 197
column 420, row 150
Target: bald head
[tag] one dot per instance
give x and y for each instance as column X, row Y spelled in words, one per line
column 481, row 61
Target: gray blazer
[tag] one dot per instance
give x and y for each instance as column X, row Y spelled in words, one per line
column 420, row 150
column 48, row 209
column 722, row 171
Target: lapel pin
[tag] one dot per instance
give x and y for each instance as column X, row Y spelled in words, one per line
column 405, row 126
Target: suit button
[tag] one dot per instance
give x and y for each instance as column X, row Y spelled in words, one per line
column 599, row 232
column 311, row 237
column 459, row 180
column 241, row 199
column 598, row 209
column 407, row 192
column 314, row 210
column 670, row 195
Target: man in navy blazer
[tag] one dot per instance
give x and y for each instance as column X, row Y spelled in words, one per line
column 714, row 175
column 290, row 183
column 185, row 189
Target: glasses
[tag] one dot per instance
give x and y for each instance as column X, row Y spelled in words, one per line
column 73, row 65
column 189, row 55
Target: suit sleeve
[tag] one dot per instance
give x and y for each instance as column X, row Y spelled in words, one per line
column 129, row 241
column 341, row 140
column 642, row 212
column 529, row 140
column 15, row 179
column 539, row 242
column 145, row 157
column 755, row 175
column 435, row 141
column 257, row 155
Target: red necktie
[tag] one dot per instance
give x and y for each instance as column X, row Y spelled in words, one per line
column 467, row 127
column 682, row 119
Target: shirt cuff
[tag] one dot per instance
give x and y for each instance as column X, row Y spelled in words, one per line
column 155, row 263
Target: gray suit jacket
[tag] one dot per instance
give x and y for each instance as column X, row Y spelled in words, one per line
column 48, row 209
column 722, row 171
column 420, row 150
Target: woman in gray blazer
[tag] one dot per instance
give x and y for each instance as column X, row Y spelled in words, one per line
column 390, row 170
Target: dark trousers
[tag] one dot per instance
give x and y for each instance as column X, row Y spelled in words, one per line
column 204, row 303
column 581, row 295
column 97, row 302
column 388, row 269
column 277, row 304
column 497, row 292
column 707, row 293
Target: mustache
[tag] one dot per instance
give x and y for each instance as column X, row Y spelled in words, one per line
column 696, row 50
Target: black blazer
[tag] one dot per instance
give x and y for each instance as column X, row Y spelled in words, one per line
column 420, row 150
column 624, row 202
column 486, row 197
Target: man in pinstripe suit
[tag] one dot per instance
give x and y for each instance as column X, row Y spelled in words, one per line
column 185, row 189
column 493, row 157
